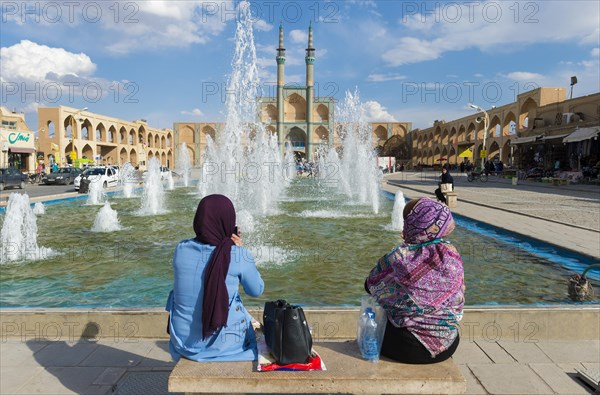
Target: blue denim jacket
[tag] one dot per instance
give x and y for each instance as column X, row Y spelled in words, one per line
column 234, row 342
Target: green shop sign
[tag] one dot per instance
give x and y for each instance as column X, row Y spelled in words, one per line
column 14, row 137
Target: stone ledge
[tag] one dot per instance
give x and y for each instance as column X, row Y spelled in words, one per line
column 346, row 373
column 491, row 323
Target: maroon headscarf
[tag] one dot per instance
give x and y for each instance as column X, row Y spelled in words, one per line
column 214, row 224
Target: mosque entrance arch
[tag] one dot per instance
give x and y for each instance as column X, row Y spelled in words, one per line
column 296, row 140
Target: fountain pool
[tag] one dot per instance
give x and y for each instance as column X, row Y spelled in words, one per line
column 310, row 250
column 314, row 242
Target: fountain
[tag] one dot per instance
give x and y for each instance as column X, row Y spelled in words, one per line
column 95, row 193
column 297, row 229
column 107, row 220
column 39, row 208
column 356, row 173
column 183, row 163
column 128, row 179
column 153, row 198
column 170, row 182
column 245, row 163
column 18, row 238
column 397, row 212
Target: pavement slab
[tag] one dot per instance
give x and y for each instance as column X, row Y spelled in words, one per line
column 64, row 353
column 525, row 352
column 64, row 380
column 470, row 352
column 12, row 378
column 18, row 353
column 560, row 381
column 495, row 352
column 509, row 379
column 118, row 354
column 572, row 352
column 473, row 385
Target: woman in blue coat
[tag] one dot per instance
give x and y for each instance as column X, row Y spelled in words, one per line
column 207, row 320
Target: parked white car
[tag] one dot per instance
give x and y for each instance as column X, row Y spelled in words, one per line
column 107, row 176
column 164, row 173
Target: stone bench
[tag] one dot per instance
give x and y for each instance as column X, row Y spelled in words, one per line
column 449, row 194
column 346, row 373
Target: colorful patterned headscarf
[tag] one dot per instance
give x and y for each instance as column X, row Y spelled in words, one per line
column 420, row 283
column 426, row 221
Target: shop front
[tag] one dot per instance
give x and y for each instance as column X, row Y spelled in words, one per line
column 17, row 150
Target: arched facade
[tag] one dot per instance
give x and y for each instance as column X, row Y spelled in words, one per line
column 534, row 123
column 83, row 136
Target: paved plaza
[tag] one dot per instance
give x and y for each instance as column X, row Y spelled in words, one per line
column 567, row 216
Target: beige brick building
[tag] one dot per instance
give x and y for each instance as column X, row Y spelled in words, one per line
column 532, row 131
column 17, row 142
column 69, row 135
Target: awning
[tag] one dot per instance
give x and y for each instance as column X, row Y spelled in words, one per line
column 465, row 152
column 559, row 136
column 523, row 140
column 22, row 150
column 582, row 134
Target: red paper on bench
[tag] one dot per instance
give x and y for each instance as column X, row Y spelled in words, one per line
column 314, row 363
column 266, row 362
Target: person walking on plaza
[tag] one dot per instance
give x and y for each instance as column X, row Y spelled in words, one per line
column 420, row 285
column 207, row 319
column 446, row 179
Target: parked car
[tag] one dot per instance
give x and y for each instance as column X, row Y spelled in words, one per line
column 64, row 176
column 164, row 173
column 106, row 176
column 11, row 177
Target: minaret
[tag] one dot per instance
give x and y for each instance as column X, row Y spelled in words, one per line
column 310, row 61
column 280, row 82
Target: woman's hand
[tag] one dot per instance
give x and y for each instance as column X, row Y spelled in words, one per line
column 237, row 240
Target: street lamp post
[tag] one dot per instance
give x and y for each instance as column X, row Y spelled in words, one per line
column 486, row 121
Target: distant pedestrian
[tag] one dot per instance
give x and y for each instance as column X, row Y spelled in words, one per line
column 446, row 179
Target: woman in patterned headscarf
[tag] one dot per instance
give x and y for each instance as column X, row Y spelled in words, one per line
column 420, row 284
column 207, row 320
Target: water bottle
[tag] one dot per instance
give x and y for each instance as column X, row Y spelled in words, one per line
column 369, row 344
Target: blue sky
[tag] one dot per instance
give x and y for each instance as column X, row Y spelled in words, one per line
column 412, row 61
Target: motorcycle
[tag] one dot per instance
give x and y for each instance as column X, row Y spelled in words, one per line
column 35, row 178
column 477, row 176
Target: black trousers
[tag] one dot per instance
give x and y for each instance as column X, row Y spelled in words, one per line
column 440, row 196
column 402, row 346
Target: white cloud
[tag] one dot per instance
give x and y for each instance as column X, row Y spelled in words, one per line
column 524, row 76
column 125, row 27
column 411, row 50
column 262, row 25
column 487, row 28
column 595, row 52
column 52, row 76
column 33, row 62
column 196, row 112
column 374, row 112
column 298, row 36
column 376, row 77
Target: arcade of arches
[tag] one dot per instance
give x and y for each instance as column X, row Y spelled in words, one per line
column 67, row 134
column 523, row 134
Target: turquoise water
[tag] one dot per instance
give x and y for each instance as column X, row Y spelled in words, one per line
column 315, row 249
